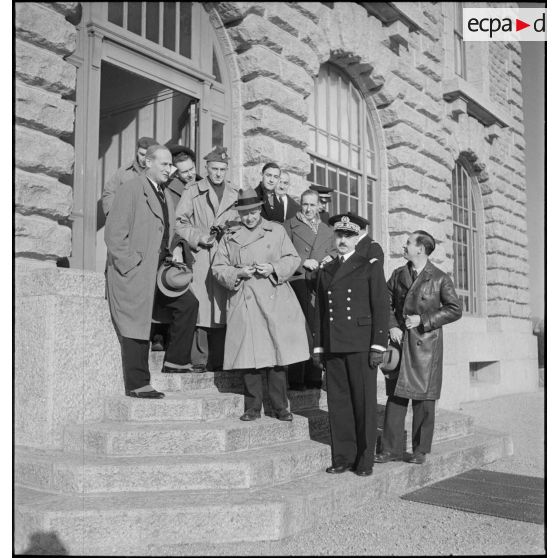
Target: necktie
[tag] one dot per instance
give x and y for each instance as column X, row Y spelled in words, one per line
column 414, row 274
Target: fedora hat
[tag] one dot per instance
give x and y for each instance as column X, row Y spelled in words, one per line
column 390, row 365
column 174, row 278
column 248, row 199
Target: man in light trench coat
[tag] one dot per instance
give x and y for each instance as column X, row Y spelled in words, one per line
column 265, row 324
column 423, row 299
column 204, row 211
column 138, row 234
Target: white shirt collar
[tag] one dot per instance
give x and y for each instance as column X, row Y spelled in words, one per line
column 347, row 255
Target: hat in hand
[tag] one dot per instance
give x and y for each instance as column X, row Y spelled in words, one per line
column 174, row 278
column 390, row 366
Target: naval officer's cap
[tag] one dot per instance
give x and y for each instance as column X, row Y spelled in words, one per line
column 348, row 222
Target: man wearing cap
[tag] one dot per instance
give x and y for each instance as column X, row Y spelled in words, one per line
column 352, row 313
column 184, row 160
column 324, row 194
column 138, row 235
column 203, row 213
column 423, row 299
column 126, row 172
column 272, row 208
column 265, row 324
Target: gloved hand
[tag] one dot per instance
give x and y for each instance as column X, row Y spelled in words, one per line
column 317, row 360
column 375, row 357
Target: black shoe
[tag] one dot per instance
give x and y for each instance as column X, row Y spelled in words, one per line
column 338, row 469
column 386, row 456
column 364, row 472
column 250, row 415
column 284, row 415
column 146, row 394
column 158, row 343
column 418, row 458
column 169, row 370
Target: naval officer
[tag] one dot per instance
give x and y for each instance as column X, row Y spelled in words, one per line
column 352, row 314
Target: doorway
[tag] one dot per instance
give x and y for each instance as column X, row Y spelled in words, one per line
column 132, row 106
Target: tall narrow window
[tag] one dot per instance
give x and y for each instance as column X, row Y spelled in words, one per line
column 458, row 44
column 465, row 240
column 342, row 147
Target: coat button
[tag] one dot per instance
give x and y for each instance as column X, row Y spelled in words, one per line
column 331, row 319
column 331, row 309
column 349, row 291
column 419, row 342
column 348, row 317
column 348, row 307
column 328, row 292
column 307, row 249
column 348, row 299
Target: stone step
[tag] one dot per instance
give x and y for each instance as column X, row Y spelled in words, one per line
column 230, row 381
column 203, row 405
column 60, row 472
column 158, row 523
column 181, row 438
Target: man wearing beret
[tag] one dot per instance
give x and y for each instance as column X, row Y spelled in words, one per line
column 352, row 313
column 126, row 172
column 324, row 196
column 423, row 299
column 204, row 212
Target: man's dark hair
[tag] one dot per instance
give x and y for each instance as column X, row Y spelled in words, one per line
column 184, row 155
column 145, row 142
column 425, row 239
column 271, row 165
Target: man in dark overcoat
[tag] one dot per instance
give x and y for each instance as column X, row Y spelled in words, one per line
column 272, row 208
column 313, row 241
column 138, row 235
column 423, row 299
column 351, row 335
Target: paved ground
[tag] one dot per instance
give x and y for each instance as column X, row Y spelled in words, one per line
column 392, row 526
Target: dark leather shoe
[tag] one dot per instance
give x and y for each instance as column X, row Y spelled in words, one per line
column 386, row 456
column 338, row 469
column 364, row 472
column 250, row 415
column 169, row 370
column 417, row 458
column 147, row 394
column 284, row 415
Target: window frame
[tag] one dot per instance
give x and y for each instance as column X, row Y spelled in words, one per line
column 367, row 196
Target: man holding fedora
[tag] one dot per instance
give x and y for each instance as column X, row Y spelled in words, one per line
column 351, row 333
column 203, row 213
column 138, row 235
column 423, row 299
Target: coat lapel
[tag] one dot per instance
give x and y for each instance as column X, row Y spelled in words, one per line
column 230, row 196
column 423, row 276
column 152, row 201
column 245, row 236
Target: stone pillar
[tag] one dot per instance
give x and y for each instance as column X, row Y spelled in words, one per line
column 44, row 155
column 67, row 356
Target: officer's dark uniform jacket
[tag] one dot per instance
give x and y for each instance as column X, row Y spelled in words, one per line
column 370, row 249
column 352, row 309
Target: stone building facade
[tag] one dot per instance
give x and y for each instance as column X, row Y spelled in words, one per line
column 437, row 137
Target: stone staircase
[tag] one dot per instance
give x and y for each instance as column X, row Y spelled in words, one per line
column 154, row 475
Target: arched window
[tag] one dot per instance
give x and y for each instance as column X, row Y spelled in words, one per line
column 342, row 146
column 466, row 252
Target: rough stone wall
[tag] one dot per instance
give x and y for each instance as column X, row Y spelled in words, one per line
column 280, row 47
column 44, row 154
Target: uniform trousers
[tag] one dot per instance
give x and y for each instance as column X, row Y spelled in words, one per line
column 394, row 425
column 276, row 385
column 352, row 407
column 135, row 352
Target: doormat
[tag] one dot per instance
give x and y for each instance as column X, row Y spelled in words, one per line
column 489, row 493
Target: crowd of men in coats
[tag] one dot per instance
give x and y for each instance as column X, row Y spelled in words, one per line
column 252, row 280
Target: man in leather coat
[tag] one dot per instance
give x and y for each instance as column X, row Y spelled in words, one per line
column 423, row 299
